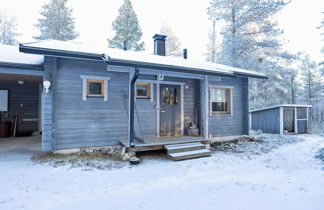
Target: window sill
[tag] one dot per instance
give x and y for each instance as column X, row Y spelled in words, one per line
column 221, row 113
column 138, row 97
column 95, row 96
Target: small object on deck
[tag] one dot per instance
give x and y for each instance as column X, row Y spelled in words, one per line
column 134, row 160
column 193, row 130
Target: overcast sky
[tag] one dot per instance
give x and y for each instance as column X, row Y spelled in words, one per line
column 187, row 18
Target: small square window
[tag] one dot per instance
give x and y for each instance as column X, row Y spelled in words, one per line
column 220, row 100
column 143, row 90
column 95, row 87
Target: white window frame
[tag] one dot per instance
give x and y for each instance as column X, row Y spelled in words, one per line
column 85, row 79
column 210, row 102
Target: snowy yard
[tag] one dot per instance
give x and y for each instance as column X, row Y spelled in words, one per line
column 289, row 177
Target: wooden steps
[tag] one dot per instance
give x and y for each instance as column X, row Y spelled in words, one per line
column 187, row 151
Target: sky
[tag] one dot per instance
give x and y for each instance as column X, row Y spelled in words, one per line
column 188, row 20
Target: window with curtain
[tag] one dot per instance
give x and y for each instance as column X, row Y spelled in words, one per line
column 220, row 100
column 143, row 90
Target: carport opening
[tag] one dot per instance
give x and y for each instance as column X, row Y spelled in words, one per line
column 20, row 106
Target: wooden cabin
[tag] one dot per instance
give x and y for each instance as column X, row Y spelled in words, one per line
column 99, row 97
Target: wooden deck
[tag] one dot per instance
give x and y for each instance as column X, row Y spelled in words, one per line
column 159, row 143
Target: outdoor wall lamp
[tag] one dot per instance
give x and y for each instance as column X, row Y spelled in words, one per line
column 47, row 85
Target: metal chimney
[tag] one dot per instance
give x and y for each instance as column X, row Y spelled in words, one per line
column 185, row 53
column 125, row 45
column 159, row 44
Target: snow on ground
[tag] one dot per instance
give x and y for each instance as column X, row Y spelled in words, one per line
column 285, row 178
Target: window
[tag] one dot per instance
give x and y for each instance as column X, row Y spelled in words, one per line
column 95, row 87
column 220, row 100
column 143, row 90
column 170, row 96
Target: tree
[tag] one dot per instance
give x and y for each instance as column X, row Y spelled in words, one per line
column 321, row 28
column 211, row 46
column 8, row 29
column 172, row 42
column 127, row 29
column 56, row 22
column 251, row 40
column 310, row 76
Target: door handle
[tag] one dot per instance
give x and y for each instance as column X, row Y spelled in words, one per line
column 162, row 111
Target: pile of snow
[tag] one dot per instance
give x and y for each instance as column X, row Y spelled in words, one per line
column 320, row 154
column 257, row 143
column 317, row 128
column 11, row 54
column 285, row 178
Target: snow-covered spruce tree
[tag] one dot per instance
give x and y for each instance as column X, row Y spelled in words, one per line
column 172, row 42
column 251, row 41
column 56, row 22
column 127, row 29
column 8, row 29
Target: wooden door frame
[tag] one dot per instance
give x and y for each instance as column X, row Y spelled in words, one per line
column 158, row 98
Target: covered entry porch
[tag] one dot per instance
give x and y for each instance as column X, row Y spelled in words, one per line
column 168, row 108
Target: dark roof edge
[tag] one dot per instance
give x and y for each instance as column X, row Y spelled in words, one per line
column 240, row 74
column 59, row 53
column 21, row 66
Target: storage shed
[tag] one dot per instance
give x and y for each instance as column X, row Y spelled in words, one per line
column 281, row 119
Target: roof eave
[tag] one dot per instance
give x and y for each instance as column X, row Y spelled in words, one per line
column 59, row 53
column 251, row 75
column 11, row 65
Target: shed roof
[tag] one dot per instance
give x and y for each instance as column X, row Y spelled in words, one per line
column 66, row 48
column 282, row 105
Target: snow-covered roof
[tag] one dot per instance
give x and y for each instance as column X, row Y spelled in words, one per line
column 138, row 57
column 11, row 54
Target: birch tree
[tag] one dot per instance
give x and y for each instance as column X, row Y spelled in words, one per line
column 251, row 40
column 8, row 29
column 172, row 42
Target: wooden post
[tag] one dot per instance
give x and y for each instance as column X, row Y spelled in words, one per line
column 296, row 124
column 204, row 107
column 281, row 120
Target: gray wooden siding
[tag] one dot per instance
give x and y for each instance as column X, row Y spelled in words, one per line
column 24, row 101
column 96, row 122
column 237, row 122
column 268, row 121
column 50, row 66
column 93, row 122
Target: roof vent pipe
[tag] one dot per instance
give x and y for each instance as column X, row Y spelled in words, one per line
column 125, row 45
column 185, row 53
column 159, row 44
